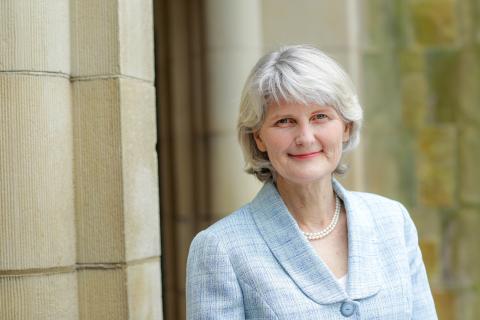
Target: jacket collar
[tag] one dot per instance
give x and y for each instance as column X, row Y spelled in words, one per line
column 301, row 262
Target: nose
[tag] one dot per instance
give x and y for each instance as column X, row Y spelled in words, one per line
column 305, row 135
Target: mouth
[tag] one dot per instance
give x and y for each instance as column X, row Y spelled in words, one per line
column 307, row 155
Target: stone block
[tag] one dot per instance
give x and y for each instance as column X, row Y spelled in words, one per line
column 434, row 21
column 437, row 166
column 120, row 292
column 35, row 36
column 466, row 254
column 36, row 180
column 412, row 61
column 468, row 93
column 305, row 21
column 429, row 227
column 95, row 37
column 430, row 251
column 98, row 171
column 388, row 152
column 112, row 37
column 445, row 82
column 468, row 304
column 468, row 13
column 414, row 100
column 469, row 160
column 383, row 24
column 382, row 99
column 135, row 34
column 116, row 171
column 139, row 170
column 445, row 303
column 226, row 168
column 144, row 291
column 477, row 31
column 102, row 294
column 39, row 297
column 428, row 223
column 385, row 140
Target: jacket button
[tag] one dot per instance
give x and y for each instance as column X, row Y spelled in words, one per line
column 347, row 308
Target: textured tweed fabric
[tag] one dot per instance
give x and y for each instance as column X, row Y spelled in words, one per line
column 256, row 264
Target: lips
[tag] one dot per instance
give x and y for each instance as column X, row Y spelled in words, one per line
column 306, row 155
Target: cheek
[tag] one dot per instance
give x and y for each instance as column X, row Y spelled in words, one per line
column 276, row 143
column 333, row 144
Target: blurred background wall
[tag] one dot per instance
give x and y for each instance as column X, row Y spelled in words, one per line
column 421, row 81
column 416, row 64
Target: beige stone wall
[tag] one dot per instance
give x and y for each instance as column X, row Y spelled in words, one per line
column 422, row 73
column 79, row 231
column 37, row 229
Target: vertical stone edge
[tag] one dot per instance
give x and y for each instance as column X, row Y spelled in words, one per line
column 139, row 170
column 135, row 33
column 145, row 290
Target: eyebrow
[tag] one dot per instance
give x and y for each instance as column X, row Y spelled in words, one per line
column 289, row 115
column 322, row 109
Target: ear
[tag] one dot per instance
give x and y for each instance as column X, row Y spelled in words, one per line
column 259, row 141
column 346, row 132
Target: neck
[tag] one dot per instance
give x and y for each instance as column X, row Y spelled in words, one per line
column 312, row 205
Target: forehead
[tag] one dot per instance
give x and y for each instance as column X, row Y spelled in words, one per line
column 276, row 108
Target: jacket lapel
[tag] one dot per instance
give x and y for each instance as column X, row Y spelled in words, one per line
column 293, row 252
column 363, row 263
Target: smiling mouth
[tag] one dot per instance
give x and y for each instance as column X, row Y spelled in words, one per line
column 305, row 155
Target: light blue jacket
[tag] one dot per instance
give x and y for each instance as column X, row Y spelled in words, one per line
column 256, row 264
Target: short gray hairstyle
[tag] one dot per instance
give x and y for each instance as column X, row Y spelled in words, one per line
column 300, row 74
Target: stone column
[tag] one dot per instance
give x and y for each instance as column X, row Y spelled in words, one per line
column 116, row 188
column 37, row 230
column 233, row 45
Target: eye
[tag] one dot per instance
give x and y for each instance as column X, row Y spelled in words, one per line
column 284, row 122
column 319, row 116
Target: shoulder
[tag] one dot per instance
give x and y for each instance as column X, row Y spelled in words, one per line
column 389, row 216
column 226, row 233
column 381, row 207
column 371, row 205
column 374, row 200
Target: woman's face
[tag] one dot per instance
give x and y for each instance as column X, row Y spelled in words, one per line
column 303, row 143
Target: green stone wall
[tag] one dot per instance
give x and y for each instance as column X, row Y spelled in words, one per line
column 421, row 92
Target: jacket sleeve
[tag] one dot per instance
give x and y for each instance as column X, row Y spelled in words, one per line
column 423, row 305
column 212, row 289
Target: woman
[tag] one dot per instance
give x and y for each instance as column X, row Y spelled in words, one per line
column 305, row 247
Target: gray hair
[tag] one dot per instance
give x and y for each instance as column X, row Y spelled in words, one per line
column 300, row 74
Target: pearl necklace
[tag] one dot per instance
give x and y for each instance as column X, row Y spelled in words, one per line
column 325, row 232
